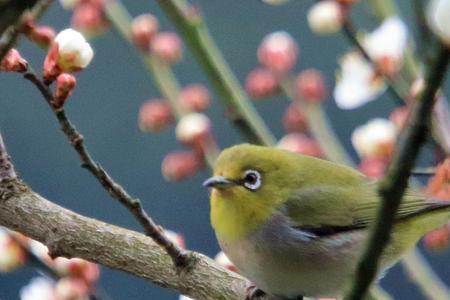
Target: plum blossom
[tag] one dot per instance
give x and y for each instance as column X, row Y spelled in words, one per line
column 359, row 82
column 375, row 138
column 39, row 288
column 69, row 52
column 438, row 17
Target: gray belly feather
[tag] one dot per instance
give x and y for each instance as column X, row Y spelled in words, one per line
column 287, row 262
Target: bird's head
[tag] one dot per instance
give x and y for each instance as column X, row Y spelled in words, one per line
column 249, row 184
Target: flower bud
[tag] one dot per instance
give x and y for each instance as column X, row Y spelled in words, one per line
column 278, row 52
column 294, row 120
column 439, row 185
column 194, row 97
column 373, row 167
column 71, row 289
column 325, row 17
column 438, row 17
column 12, row 255
column 300, row 143
column 89, row 18
column 167, row 46
column 65, row 83
column 154, row 115
column 143, row 28
column 310, row 85
column 180, row 165
column 69, row 52
column 40, row 250
column 437, row 239
column 374, row 139
column 42, row 35
column 222, row 259
column 13, row 62
column 194, row 130
column 175, row 237
column 261, row 83
column 78, row 268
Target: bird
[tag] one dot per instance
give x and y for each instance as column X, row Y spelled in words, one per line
column 296, row 225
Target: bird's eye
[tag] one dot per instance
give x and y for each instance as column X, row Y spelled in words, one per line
column 252, row 180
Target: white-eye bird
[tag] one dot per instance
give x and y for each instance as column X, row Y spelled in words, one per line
column 296, row 225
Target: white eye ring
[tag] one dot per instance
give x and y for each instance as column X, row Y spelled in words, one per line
column 252, row 180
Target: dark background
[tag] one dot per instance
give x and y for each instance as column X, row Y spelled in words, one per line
column 104, row 107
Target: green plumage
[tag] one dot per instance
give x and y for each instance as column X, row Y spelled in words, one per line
column 298, row 224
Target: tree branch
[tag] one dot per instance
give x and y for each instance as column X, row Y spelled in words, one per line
column 72, row 235
column 180, row 257
column 393, row 186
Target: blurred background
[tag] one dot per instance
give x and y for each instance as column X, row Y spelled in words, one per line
column 104, row 107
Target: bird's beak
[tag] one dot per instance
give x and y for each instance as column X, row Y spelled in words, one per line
column 218, row 182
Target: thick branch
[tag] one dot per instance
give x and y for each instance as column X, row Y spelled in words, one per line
column 72, row 235
column 393, row 186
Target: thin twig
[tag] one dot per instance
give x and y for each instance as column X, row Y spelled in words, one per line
column 9, row 37
column 179, row 256
column 393, row 186
column 240, row 111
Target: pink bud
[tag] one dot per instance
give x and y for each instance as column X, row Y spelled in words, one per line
column 154, row 115
column 300, row 143
column 13, row 62
column 195, row 97
column 278, row 52
column 222, row 259
column 294, row 120
column 373, row 167
column 65, row 83
column 310, row 85
column 399, row 116
column 89, row 18
column 167, row 46
column 438, row 239
column 261, row 83
column 71, row 289
column 143, row 28
column 180, row 165
column 175, row 237
column 42, row 35
column 81, row 269
column 194, row 130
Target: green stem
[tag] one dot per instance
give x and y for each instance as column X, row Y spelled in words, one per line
column 197, row 37
column 428, row 282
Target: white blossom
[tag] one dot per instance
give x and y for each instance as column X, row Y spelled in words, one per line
column 325, row 17
column 388, row 40
column 39, row 288
column 192, row 126
column 357, row 83
column 369, row 139
column 73, row 50
column 438, row 16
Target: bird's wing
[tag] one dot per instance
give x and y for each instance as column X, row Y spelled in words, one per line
column 328, row 209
